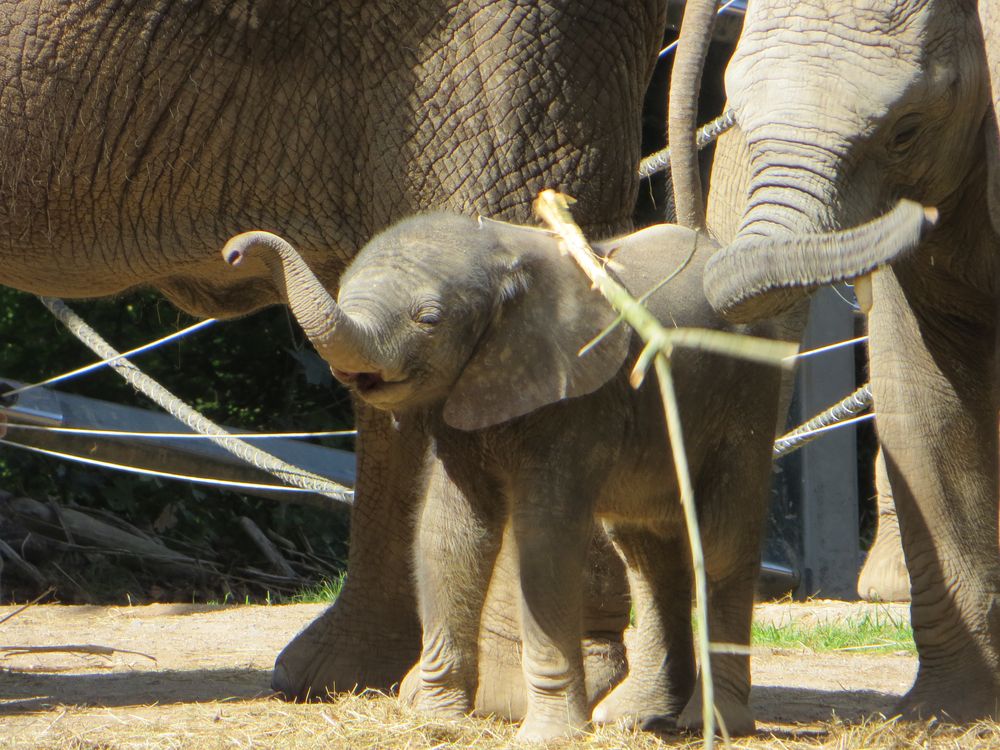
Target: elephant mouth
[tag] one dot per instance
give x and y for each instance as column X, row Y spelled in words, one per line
column 360, row 381
column 367, row 384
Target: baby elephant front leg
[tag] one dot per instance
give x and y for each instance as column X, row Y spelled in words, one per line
column 552, row 552
column 456, row 546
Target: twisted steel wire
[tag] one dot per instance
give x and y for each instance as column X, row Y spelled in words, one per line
column 851, row 406
column 660, row 160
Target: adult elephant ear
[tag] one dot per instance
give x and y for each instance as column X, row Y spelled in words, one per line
column 989, row 18
column 529, row 356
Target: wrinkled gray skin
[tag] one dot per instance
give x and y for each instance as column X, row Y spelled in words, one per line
column 123, row 124
column 477, row 335
column 845, row 107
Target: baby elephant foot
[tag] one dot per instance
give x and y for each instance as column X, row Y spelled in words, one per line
column 553, row 716
column 636, row 703
column 548, row 728
column 443, row 700
column 409, row 687
column 443, row 703
column 736, row 714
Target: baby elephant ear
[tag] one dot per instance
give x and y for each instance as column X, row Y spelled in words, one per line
column 529, row 355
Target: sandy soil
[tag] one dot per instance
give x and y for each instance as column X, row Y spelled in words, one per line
column 187, row 671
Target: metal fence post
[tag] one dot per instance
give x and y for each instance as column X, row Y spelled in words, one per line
column 828, row 469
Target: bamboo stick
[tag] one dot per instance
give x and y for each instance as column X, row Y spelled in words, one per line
column 553, row 208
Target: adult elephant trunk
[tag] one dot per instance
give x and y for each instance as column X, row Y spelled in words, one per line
column 685, row 84
column 781, row 253
column 339, row 339
column 760, row 276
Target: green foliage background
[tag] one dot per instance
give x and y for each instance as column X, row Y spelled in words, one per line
column 254, row 373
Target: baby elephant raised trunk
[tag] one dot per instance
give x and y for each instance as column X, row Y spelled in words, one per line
column 758, row 276
column 338, row 338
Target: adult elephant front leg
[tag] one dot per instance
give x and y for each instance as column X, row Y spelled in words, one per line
column 937, row 426
column 371, row 634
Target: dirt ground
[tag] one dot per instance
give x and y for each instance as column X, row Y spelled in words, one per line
column 197, row 676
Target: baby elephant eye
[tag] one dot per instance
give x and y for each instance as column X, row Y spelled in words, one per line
column 427, row 314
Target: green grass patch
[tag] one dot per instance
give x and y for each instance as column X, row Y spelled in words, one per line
column 324, row 592
column 869, row 633
column 879, row 632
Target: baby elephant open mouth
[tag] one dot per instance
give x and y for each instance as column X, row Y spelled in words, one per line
column 363, row 382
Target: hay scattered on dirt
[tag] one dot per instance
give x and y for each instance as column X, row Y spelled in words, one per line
column 208, row 690
column 372, row 721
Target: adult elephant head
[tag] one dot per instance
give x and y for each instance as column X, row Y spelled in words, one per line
column 845, row 108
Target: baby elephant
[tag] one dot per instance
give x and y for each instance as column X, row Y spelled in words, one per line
column 477, row 325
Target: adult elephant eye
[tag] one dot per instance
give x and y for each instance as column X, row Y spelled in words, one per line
column 906, row 131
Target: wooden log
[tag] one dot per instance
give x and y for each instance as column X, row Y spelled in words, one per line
column 265, row 545
column 191, row 457
column 25, row 568
column 86, row 530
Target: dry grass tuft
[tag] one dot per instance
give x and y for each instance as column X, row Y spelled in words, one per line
column 366, row 721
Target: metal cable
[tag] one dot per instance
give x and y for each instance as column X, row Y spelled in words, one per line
column 660, row 160
column 851, row 406
column 829, row 348
column 181, row 411
column 88, row 368
column 230, row 483
column 178, row 435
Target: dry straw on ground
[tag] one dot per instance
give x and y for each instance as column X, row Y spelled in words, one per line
column 208, row 689
column 376, row 721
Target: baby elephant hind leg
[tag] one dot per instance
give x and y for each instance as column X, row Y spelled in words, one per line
column 458, row 538
column 732, row 494
column 660, row 653
column 730, row 610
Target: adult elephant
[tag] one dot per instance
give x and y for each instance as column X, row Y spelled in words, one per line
column 844, row 108
column 138, row 136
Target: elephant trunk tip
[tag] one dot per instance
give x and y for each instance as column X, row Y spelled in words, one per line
column 232, row 255
column 236, row 249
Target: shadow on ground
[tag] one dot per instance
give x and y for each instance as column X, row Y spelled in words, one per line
column 22, row 692
column 780, row 705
